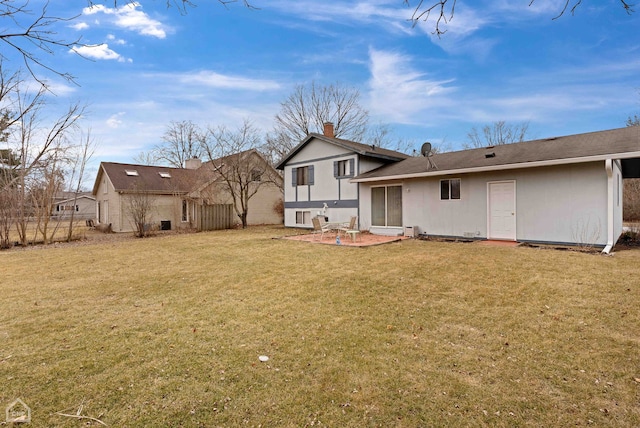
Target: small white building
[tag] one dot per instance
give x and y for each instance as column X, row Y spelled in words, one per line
column 82, row 206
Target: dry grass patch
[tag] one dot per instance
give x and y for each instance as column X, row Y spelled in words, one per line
column 167, row 332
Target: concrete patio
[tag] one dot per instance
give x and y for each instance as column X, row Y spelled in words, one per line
column 362, row 239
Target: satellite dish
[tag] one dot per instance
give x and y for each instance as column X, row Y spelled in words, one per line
column 426, row 149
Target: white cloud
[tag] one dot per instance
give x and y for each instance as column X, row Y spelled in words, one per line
column 399, row 92
column 115, row 120
column 80, row 26
column 115, row 40
column 130, row 17
column 101, row 51
column 217, row 80
column 384, row 13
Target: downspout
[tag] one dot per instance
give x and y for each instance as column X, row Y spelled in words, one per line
column 608, row 166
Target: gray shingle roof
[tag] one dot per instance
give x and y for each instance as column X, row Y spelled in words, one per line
column 359, row 148
column 615, row 143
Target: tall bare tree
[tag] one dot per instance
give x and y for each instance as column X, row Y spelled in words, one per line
column 182, row 141
column 497, row 134
column 44, row 184
column 84, row 153
column 306, row 110
column 238, row 166
column 33, row 143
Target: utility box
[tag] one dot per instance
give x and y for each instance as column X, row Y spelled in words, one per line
column 411, row 231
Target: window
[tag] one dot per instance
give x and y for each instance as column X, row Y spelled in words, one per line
column 256, row 175
column 302, row 176
column 303, row 217
column 386, row 206
column 343, row 168
column 185, row 210
column 165, row 174
column 131, row 172
column 450, row 189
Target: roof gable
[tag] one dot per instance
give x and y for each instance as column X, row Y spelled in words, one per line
column 352, row 146
column 616, row 143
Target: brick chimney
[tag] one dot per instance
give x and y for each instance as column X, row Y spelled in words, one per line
column 328, row 130
column 193, row 163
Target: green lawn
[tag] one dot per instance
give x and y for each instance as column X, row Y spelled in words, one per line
column 167, row 331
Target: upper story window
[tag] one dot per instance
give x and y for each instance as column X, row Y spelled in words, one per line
column 131, row 172
column 343, row 168
column 164, row 174
column 302, row 176
column 450, row 189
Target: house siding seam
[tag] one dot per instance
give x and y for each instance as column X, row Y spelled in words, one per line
column 325, row 158
column 350, row 203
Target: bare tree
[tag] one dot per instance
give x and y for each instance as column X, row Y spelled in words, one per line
column 381, row 135
column 633, row 120
column 44, row 184
column 238, row 166
column 31, row 32
column 85, row 151
column 182, row 141
column 33, row 144
column 444, row 10
column 145, row 158
column 497, row 134
column 8, row 162
column 631, row 203
column 309, row 107
column 139, row 206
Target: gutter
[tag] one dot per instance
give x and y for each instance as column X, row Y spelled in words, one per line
column 608, row 166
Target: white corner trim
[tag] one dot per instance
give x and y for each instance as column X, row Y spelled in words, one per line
column 608, row 166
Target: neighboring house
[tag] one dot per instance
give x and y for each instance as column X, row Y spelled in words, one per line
column 259, row 180
column 175, row 194
column 564, row 190
column 318, row 173
column 83, row 206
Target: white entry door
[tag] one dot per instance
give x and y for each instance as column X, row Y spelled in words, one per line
column 502, row 210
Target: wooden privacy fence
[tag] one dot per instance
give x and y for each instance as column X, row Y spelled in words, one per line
column 216, row 217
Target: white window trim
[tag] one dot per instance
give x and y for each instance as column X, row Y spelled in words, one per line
column 386, row 200
column 449, row 199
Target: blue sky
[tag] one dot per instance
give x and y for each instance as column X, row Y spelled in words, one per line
column 499, row 60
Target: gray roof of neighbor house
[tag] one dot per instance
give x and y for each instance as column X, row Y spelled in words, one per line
column 622, row 143
column 359, row 148
column 154, row 179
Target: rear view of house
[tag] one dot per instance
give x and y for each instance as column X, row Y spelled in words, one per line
column 564, row 190
column 318, row 173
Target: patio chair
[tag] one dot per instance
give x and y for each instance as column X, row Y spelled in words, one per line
column 350, row 225
column 318, row 227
